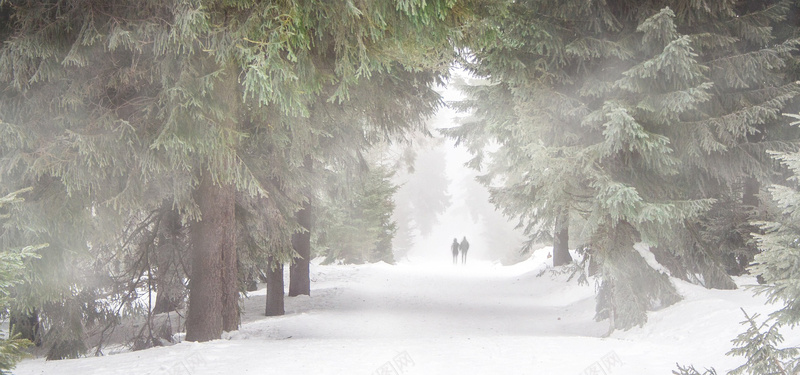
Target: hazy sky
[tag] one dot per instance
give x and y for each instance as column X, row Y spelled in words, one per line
column 490, row 235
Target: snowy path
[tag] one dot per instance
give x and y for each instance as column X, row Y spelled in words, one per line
column 444, row 319
column 397, row 302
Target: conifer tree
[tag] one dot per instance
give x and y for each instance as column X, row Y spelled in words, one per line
column 382, row 109
column 759, row 345
column 778, row 243
column 356, row 226
column 637, row 120
column 110, row 109
column 690, row 370
column 12, row 347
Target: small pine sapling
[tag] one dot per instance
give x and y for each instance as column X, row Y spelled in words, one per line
column 12, row 349
column 690, row 370
column 759, row 345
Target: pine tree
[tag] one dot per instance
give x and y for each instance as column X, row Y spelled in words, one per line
column 356, row 223
column 778, row 243
column 12, row 266
column 759, row 345
column 383, row 109
column 111, row 109
column 637, row 120
column 690, row 370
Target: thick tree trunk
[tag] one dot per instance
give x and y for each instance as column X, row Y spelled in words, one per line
column 213, row 294
column 212, row 239
column 274, row 288
column 230, row 283
column 561, row 240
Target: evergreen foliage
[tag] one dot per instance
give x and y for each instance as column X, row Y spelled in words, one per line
column 759, row 345
column 640, row 120
column 12, row 350
column 778, row 242
column 12, row 272
column 117, row 112
column 690, row 370
column 130, row 121
column 357, row 227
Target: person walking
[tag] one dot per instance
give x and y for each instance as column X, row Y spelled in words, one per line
column 454, row 248
column 464, row 246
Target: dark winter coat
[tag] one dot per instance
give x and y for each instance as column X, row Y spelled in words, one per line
column 464, row 245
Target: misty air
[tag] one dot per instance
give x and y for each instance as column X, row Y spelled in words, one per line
column 566, row 187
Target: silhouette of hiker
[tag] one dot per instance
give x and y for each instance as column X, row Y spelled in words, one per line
column 454, row 247
column 464, row 246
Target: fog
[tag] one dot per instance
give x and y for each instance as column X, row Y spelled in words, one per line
column 440, row 200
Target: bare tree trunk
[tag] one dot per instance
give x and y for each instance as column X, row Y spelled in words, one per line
column 211, row 239
column 230, row 278
column 299, row 275
column 213, row 294
column 561, row 240
column 299, row 272
column 274, row 288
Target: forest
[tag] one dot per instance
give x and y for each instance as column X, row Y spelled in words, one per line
column 166, row 156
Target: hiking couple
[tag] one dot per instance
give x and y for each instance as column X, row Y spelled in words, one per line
column 463, row 246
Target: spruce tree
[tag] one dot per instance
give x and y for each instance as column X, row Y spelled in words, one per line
column 382, row 109
column 109, row 110
column 775, row 266
column 356, row 225
column 12, row 267
column 778, row 243
column 690, row 370
column 637, row 121
column 759, row 345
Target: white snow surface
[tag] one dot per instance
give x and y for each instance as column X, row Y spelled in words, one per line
column 427, row 318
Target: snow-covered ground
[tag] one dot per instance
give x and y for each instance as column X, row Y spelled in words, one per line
column 426, row 318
